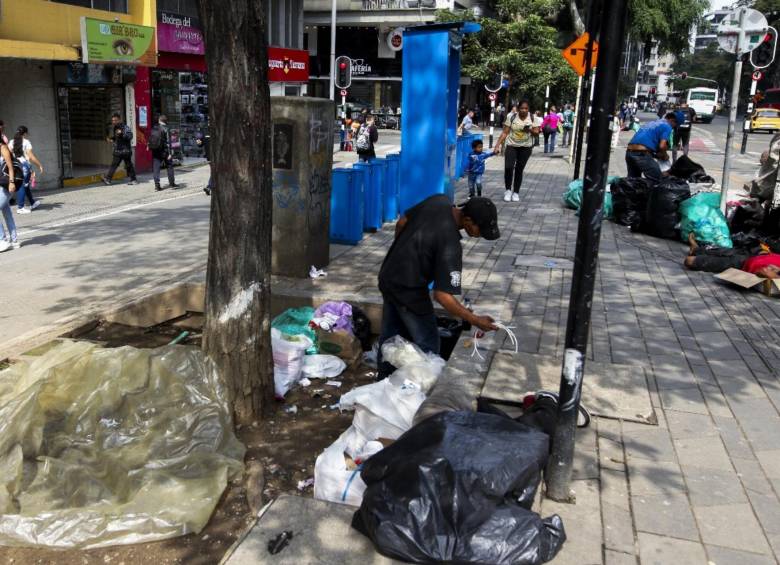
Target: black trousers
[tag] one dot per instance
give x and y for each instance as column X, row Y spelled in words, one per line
column 128, row 166
column 717, row 259
column 515, row 160
column 157, row 164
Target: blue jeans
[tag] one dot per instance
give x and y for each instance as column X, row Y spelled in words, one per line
column 25, row 191
column 642, row 162
column 549, row 141
column 475, row 184
column 5, row 208
column 420, row 330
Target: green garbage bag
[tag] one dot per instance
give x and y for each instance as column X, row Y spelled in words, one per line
column 572, row 198
column 295, row 321
column 701, row 216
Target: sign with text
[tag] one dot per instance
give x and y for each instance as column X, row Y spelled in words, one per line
column 575, row 54
column 118, row 43
column 179, row 34
column 288, row 65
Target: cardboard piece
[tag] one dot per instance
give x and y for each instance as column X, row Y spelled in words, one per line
column 340, row 344
column 738, row 277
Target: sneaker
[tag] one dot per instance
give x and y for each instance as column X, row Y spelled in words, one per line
column 507, row 195
column 132, row 182
column 22, row 210
column 207, row 190
column 4, row 245
column 105, row 181
column 157, row 187
column 515, row 197
column 16, row 244
column 35, row 204
column 173, row 185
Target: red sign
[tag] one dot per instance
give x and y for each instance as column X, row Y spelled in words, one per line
column 492, row 95
column 343, row 92
column 287, row 65
column 758, row 75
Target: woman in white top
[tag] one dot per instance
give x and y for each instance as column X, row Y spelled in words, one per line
column 22, row 149
column 8, row 180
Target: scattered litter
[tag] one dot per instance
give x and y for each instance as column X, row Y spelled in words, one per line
column 323, row 366
column 304, row 382
column 337, row 384
column 179, row 338
column 316, row 273
column 292, row 409
column 334, row 406
column 303, row 485
column 279, row 542
column 317, row 392
column 288, row 352
column 333, row 317
column 371, row 358
column 479, row 334
column 295, row 321
column 412, row 363
column 550, row 264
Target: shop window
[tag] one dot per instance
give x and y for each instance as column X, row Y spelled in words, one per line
column 184, row 7
column 107, row 5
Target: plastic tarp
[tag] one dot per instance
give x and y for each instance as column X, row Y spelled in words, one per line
column 701, row 216
column 295, row 321
column 104, row 447
column 458, row 488
column 572, row 198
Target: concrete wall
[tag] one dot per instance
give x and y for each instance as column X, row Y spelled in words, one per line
column 302, row 159
column 28, row 99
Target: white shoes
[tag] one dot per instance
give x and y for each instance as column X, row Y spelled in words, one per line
column 16, row 244
column 35, row 204
column 515, row 197
column 4, row 245
column 507, row 195
column 23, row 210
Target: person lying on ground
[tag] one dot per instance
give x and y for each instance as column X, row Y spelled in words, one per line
column 715, row 259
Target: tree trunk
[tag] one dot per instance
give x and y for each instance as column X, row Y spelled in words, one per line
column 579, row 26
column 236, row 333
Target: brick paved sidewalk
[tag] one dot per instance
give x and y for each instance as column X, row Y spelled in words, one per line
column 700, row 487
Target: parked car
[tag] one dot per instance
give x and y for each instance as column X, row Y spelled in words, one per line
column 765, row 119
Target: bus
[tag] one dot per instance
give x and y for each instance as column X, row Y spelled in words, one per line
column 770, row 99
column 704, row 102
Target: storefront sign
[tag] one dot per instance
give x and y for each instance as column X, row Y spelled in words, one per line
column 143, row 117
column 118, row 43
column 179, row 34
column 79, row 73
column 395, row 39
column 288, row 65
column 361, row 68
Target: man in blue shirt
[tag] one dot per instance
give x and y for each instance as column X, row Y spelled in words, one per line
column 649, row 143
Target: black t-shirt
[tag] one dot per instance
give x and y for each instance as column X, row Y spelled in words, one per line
column 428, row 249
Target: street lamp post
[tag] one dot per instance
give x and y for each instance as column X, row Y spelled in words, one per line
column 333, row 50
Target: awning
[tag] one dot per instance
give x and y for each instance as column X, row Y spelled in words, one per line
column 10, row 48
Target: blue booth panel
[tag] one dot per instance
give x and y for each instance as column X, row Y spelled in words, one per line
column 346, row 206
column 392, row 187
column 372, row 197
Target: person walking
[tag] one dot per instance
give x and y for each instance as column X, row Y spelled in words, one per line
column 204, row 141
column 649, row 143
column 550, row 129
column 467, row 123
column 121, row 138
column 8, row 180
column 22, row 150
column 160, row 146
column 538, row 119
column 682, row 134
column 568, row 125
column 476, row 167
column 367, row 136
column 518, row 133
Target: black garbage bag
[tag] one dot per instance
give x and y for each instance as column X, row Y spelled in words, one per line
column 361, row 327
column 629, row 200
column 457, row 488
column 661, row 215
column 684, row 168
column 749, row 215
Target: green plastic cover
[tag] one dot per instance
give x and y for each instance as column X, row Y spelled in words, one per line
column 572, row 198
column 295, row 321
column 701, row 216
column 104, row 447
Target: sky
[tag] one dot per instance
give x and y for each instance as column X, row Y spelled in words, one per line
column 718, row 4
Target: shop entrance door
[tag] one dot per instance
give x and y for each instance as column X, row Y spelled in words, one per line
column 89, row 111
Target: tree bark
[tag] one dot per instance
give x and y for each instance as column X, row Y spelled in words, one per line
column 579, row 26
column 236, row 333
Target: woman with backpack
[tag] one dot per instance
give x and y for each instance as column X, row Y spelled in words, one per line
column 8, row 179
column 519, row 130
column 568, row 125
column 21, row 149
column 366, row 137
column 550, row 129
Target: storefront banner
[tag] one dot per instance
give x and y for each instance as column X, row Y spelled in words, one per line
column 288, row 65
column 118, row 43
column 179, row 34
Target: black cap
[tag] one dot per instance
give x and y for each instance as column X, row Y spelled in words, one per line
column 483, row 212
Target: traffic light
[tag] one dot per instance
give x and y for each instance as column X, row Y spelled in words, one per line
column 493, row 84
column 343, row 72
column 763, row 55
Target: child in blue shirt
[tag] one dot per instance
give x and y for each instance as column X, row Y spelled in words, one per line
column 476, row 167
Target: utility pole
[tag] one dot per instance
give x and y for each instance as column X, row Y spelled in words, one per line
column 332, row 95
column 583, row 109
column 613, row 31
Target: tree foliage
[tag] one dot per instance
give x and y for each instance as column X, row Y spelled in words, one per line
column 520, row 43
column 667, row 21
column 710, row 63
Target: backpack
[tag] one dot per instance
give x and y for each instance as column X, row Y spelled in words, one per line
column 5, row 180
column 156, row 139
column 364, row 139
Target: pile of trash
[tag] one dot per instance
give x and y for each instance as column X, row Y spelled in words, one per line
column 317, row 343
column 103, row 447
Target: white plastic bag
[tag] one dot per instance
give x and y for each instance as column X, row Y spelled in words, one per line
column 412, row 363
column 289, row 352
column 323, row 366
column 333, row 481
column 383, row 409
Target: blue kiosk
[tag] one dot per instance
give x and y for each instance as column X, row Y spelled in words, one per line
column 431, row 71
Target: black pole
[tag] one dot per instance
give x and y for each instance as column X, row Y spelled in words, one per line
column 592, row 27
column 613, row 28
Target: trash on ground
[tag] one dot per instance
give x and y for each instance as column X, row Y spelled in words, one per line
column 342, row 344
column 288, row 352
column 336, row 476
column 333, row 317
column 337, row 384
column 662, row 216
column 361, row 327
column 106, row 447
column 740, row 278
column 316, row 273
column 572, row 198
column 700, row 215
column 412, row 363
column 295, row 321
column 278, row 543
column 292, row 409
column 490, row 465
column 323, row 366
column 303, row 485
column 371, row 357
column 304, row 382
